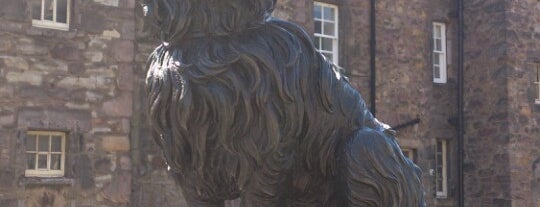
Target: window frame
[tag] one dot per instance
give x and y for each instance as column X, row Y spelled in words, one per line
column 45, row 173
column 537, row 100
column 443, row 175
column 52, row 24
column 335, row 37
column 441, row 54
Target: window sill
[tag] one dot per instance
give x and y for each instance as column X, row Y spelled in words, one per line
column 50, row 25
column 47, row 181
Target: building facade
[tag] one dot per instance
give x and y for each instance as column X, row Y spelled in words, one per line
column 73, row 127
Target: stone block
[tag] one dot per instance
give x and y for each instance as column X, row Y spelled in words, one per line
column 76, row 120
column 123, row 50
column 125, row 78
column 119, row 190
column 115, row 143
column 8, row 26
column 113, row 3
column 30, row 77
column 94, row 82
column 48, row 65
column 110, row 34
column 31, row 48
column 13, row 10
column 49, row 195
column 7, row 120
column 66, row 52
column 93, row 22
column 102, row 72
column 15, row 62
column 93, row 56
column 71, row 105
column 120, row 106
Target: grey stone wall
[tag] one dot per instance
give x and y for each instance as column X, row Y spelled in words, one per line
column 502, row 120
column 523, row 52
column 405, row 88
column 78, row 81
column 487, row 134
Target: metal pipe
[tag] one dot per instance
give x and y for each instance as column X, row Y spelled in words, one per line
column 406, row 124
column 461, row 113
column 372, row 53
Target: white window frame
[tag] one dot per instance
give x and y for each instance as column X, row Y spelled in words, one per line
column 440, row 53
column 537, row 101
column 43, row 23
column 335, row 37
column 48, row 172
column 441, row 175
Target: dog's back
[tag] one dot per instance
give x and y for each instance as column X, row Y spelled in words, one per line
column 243, row 105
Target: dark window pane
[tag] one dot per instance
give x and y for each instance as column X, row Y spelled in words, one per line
column 36, row 9
column 56, row 160
column 329, row 13
column 61, row 11
column 42, row 161
column 438, row 45
column 43, row 143
column 56, row 144
column 318, row 27
column 30, row 161
column 437, row 31
column 31, row 143
column 329, row 29
column 317, row 13
column 49, row 10
column 436, row 59
column 327, row 44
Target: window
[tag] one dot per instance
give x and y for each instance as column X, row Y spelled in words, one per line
column 45, row 154
column 409, row 153
column 53, row 14
column 441, row 176
column 439, row 53
column 326, row 30
column 537, row 101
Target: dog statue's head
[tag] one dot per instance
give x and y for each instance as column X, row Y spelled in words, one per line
column 177, row 20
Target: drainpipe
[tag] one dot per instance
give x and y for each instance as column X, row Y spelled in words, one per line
column 372, row 54
column 461, row 125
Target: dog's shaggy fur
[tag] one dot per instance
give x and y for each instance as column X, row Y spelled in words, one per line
column 243, row 106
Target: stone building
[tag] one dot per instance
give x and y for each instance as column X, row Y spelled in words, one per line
column 73, row 130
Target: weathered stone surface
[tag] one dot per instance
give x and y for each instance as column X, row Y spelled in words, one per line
column 93, row 22
column 93, row 56
column 45, row 195
column 66, row 52
column 50, row 65
column 77, row 120
column 93, row 82
column 10, row 10
column 115, row 143
column 126, row 78
column 119, row 107
column 14, row 62
column 107, row 2
column 123, row 50
column 110, row 34
column 30, row 77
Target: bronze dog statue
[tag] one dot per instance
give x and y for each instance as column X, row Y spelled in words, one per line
column 244, row 106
